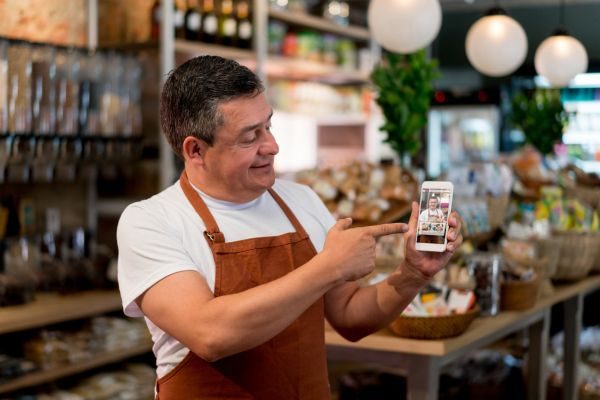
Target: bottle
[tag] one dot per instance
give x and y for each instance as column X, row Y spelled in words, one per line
column 178, row 21
column 193, row 21
column 244, row 25
column 227, row 24
column 155, row 19
column 209, row 22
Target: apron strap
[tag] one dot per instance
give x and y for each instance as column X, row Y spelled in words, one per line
column 289, row 214
column 212, row 232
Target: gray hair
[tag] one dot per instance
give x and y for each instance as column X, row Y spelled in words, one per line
column 190, row 99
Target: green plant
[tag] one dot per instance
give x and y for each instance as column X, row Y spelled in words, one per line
column 541, row 117
column 405, row 89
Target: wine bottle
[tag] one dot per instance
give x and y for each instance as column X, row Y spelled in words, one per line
column 227, row 24
column 244, row 25
column 179, row 21
column 193, row 21
column 209, row 22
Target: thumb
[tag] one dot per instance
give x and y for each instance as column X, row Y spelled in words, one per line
column 342, row 224
column 414, row 216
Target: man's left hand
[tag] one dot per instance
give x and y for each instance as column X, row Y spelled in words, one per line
column 426, row 264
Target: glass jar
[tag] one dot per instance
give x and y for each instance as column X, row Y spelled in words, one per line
column 43, row 95
column 90, row 94
column 67, row 91
column 485, row 269
column 19, row 88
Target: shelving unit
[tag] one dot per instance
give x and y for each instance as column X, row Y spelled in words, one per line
column 321, row 24
column 174, row 51
column 53, row 308
column 57, row 372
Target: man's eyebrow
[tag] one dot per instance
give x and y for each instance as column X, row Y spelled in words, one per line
column 255, row 126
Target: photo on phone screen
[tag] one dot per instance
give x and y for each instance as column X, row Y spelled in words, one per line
column 434, row 209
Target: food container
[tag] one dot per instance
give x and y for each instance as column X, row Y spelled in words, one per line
column 433, row 327
column 485, row 270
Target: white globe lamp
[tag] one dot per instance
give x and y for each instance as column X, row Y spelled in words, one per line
column 496, row 44
column 404, row 26
column 559, row 58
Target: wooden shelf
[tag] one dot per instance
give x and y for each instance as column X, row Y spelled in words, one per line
column 198, row 48
column 52, row 308
column 96, row 360
column 297, row 68
column 276, row 66
column 482, row 328
column 321, row 24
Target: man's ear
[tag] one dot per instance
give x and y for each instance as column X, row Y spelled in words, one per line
column 194, row 149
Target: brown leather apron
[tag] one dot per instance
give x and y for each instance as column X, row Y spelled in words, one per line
column 292, row 365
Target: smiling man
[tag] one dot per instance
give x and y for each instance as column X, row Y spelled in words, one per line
column 235, row 270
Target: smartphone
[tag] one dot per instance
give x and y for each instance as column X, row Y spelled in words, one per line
column 434, row 209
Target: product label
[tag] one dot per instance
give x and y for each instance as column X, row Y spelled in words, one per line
column 178, row 18
column 229, row 27
column 210, row 25
column 245, row 31
column 193, row 22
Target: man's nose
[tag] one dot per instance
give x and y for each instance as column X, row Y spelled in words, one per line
column 269, row 145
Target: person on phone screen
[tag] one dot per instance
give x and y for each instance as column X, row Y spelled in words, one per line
column 433, row 213
column 234, row 270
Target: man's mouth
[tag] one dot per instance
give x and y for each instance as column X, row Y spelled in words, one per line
column 261, row 166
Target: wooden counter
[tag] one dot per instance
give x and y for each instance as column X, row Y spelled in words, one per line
column 422, row 359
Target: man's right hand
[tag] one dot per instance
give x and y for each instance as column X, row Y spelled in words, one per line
column 351, row 251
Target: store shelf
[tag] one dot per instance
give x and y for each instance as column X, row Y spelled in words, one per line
column 198, row 48
column 277, row 66
column 97, row 360
column 296, row 68
column 321, row 24
column 53, row 308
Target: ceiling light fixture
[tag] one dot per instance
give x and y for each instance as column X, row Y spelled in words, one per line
column 560, row 57
column 496, row 44
column 404, row 26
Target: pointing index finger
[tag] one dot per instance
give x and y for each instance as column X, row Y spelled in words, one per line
column 385, row 229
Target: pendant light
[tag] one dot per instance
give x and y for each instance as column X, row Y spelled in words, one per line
column 404, row 26
column 560, row 57
column 496, row 44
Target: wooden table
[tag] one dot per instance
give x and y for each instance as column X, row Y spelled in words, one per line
column 422, row 360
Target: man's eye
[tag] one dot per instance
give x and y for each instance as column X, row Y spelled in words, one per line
column 249, row 138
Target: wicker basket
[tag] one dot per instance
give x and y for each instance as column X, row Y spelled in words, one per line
column 588, row 195
column 519, row 295
column 438, row 327
column 577, row 255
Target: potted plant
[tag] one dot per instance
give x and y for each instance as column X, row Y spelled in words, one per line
column 541, row 117
column 404, row 92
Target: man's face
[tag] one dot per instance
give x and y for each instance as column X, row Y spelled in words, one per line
column 432, row 204
column 239, row 165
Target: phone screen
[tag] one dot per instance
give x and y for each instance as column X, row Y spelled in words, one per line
column 434, row 209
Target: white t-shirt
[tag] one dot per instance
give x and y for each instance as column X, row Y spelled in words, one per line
column 164, row 235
